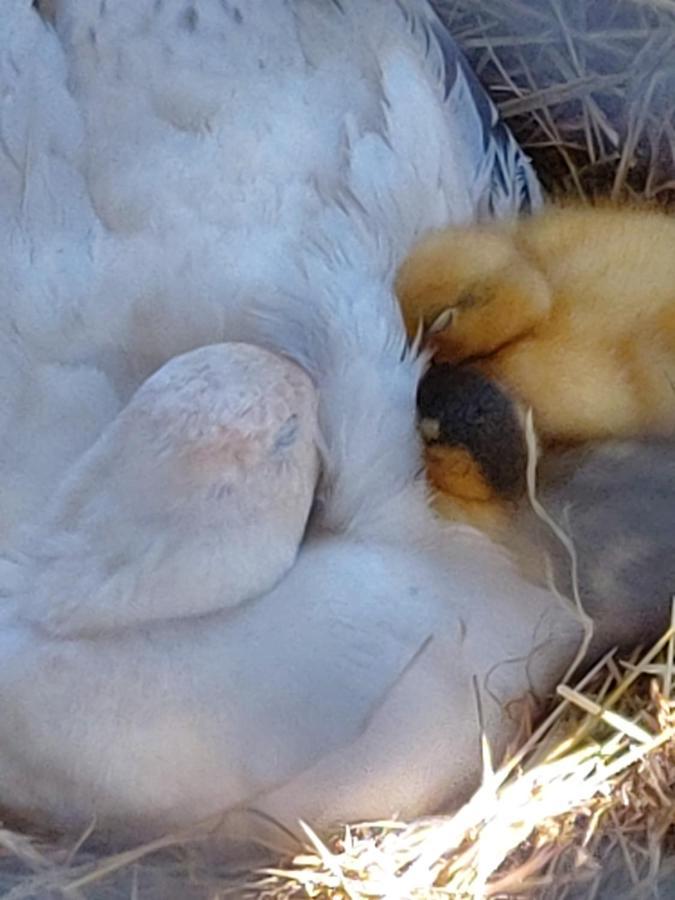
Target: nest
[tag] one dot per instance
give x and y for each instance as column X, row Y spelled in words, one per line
column 587, row 87
column 584, row 805
column 583, row 809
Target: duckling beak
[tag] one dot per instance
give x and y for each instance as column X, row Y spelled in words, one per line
column 430, row 429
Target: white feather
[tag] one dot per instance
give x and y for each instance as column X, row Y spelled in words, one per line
column 176, row 175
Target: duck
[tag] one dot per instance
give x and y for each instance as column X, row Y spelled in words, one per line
column 223, row 589
column 475, row 446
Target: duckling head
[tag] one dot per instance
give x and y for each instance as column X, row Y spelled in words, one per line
column 194, row 499
column 475, row 441
column 474, row 291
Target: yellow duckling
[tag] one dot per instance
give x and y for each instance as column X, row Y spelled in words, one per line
column 572, row 311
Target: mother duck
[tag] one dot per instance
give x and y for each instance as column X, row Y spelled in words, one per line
column 180, row 180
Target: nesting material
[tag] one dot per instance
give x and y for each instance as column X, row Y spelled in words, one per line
column 588, row 88
column 583, row 808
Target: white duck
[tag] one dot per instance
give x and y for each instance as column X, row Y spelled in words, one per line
column 177, row 174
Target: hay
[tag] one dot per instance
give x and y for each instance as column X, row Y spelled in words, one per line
column 587, row 86
column 584, row 807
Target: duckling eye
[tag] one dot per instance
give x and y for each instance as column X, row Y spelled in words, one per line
column 442, row 321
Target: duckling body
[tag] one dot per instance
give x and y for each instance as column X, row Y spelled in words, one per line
column 571, row 310
column 616, row 501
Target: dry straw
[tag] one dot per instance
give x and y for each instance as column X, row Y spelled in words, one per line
column 582, row 809
column 588, row 87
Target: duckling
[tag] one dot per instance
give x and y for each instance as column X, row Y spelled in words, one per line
column 571, row 310
column 616, row 500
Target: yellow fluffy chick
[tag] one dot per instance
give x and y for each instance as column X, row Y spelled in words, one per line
column 572, row 311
